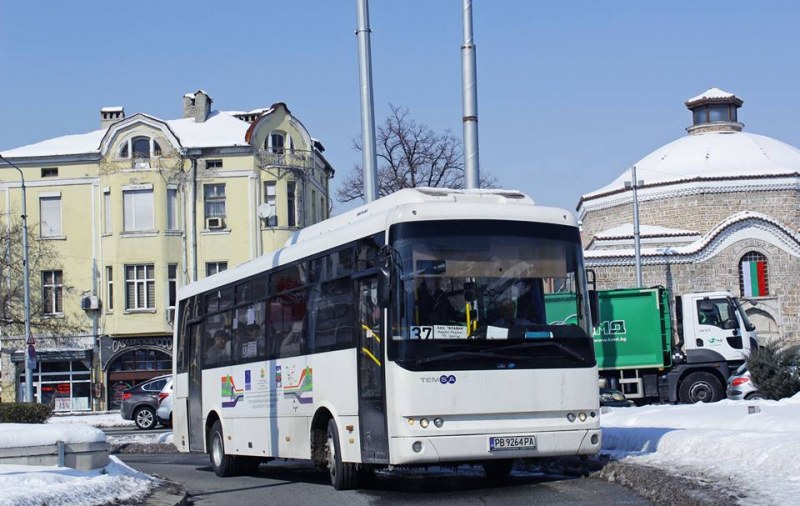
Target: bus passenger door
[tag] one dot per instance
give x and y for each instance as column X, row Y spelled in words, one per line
column 194, row 406
column 371, row 391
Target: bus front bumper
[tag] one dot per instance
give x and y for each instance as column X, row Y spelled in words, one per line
column 470, row 448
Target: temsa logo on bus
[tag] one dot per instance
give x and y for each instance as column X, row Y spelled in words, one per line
column 444, row 379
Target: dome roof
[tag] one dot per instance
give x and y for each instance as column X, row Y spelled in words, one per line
column 710, row 155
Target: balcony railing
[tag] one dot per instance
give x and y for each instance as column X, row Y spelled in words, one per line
column 289, row 158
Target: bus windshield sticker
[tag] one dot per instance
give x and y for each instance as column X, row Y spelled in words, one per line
column 496, row 332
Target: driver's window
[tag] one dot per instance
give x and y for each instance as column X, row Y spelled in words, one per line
column 715, row 312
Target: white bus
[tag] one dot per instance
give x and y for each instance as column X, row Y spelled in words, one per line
column 409, row 331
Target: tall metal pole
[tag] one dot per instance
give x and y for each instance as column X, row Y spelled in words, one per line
column 27, row 290
column 367, row 105
column 636, row 237
column 469, row 80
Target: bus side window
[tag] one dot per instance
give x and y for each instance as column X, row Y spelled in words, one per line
column 287, row 319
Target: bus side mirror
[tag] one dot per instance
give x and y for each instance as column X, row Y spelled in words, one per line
column 594, row 307
column 385, row 276
column 385, row 287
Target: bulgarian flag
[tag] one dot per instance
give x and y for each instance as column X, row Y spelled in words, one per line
column 754, row 278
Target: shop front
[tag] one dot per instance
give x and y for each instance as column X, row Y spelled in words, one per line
column 129, row 361
column 61, row 378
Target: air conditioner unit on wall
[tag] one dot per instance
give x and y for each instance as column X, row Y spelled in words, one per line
column 215, row 223
column 90, row 302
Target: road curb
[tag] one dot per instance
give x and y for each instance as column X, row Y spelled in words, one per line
column 167, row 493
column 662, row 487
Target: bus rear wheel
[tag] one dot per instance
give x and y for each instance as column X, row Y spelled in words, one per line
column 222, row 464
column 344, row 475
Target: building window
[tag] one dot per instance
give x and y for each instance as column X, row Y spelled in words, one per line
column 52, row 293
column 214, row 195
column 138, row 210
column 109, row 288
column 275, row 143
column 213, row 164
column 172, row 208
column 753, row 275
column 140, row 287
column 50, row 172
column 270, row 198
column 314, row 206
column 291, row 203
column 141, row 147
column 323, row 211
column 172, row 280
column 50, row 216
column 107, row 224
column 215, row 267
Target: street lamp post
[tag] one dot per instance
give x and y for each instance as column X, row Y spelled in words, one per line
column 27, row 291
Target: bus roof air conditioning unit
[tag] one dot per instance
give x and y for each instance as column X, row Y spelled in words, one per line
column 215, row 223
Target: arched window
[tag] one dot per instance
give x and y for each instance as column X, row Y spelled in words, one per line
column 753, row 275
column 141, row 147
column 275, row 142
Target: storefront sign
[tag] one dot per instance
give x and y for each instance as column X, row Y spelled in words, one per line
column 110, row 347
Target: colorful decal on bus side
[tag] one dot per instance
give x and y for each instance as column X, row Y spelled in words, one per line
column 302, row 388
column 228, row 390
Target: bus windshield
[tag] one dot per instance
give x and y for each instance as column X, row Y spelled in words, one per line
column 489, row 294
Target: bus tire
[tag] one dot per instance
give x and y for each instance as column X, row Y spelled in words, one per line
column 497, row 471
column 344, row 475
column 700, row 387
column 222, row 464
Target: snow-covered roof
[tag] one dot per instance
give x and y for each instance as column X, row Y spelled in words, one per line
column 713, row 94
column 220, row 129
column 710, row 155
column 626, row 230
column 116, row 108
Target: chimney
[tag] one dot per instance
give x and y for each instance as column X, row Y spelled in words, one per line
column 111, row 115
column 197, row 105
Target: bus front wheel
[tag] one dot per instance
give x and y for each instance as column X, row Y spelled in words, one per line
column 344, row 475
column 222, row 464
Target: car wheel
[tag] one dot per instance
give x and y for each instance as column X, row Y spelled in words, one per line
column 344, row 475
column 222, row 464
column 700, row 387
column 754, row 396
column 145, row 418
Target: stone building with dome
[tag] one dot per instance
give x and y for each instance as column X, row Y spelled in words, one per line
column 719, row 209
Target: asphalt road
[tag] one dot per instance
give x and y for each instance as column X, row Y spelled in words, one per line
column 297, row 482
column 133, row 431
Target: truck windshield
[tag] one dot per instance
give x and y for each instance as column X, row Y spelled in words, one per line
column 483, row 294
column 743, row 315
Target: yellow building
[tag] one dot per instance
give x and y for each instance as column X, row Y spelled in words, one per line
column 135, row 210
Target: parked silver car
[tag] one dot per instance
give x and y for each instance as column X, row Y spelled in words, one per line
column 164, row 411
column 741, row 387
column 139, row 403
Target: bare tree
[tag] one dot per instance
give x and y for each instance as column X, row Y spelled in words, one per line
column 41, row 256
column 410, row 155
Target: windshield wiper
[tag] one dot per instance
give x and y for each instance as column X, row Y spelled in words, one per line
column 466, row 354
column 531, row 344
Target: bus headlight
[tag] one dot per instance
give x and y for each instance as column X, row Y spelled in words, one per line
column 582, row 416
column 417, row 446
column 438, row 422
column 424, row 422
column 571, row 417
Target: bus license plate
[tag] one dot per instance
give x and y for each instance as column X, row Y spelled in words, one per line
column 499, row 443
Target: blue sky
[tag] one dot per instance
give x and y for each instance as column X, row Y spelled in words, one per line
column 570, row 94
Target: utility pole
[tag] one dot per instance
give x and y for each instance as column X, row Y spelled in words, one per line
column 30, row 349
column 369, row 150
column 637, row 246
column 469, row 85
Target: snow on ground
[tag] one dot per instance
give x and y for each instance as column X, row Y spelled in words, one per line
column 750, row 445
column 15, row 435
column 103, row 419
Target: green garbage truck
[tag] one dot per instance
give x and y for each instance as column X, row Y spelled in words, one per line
column 653, row 354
